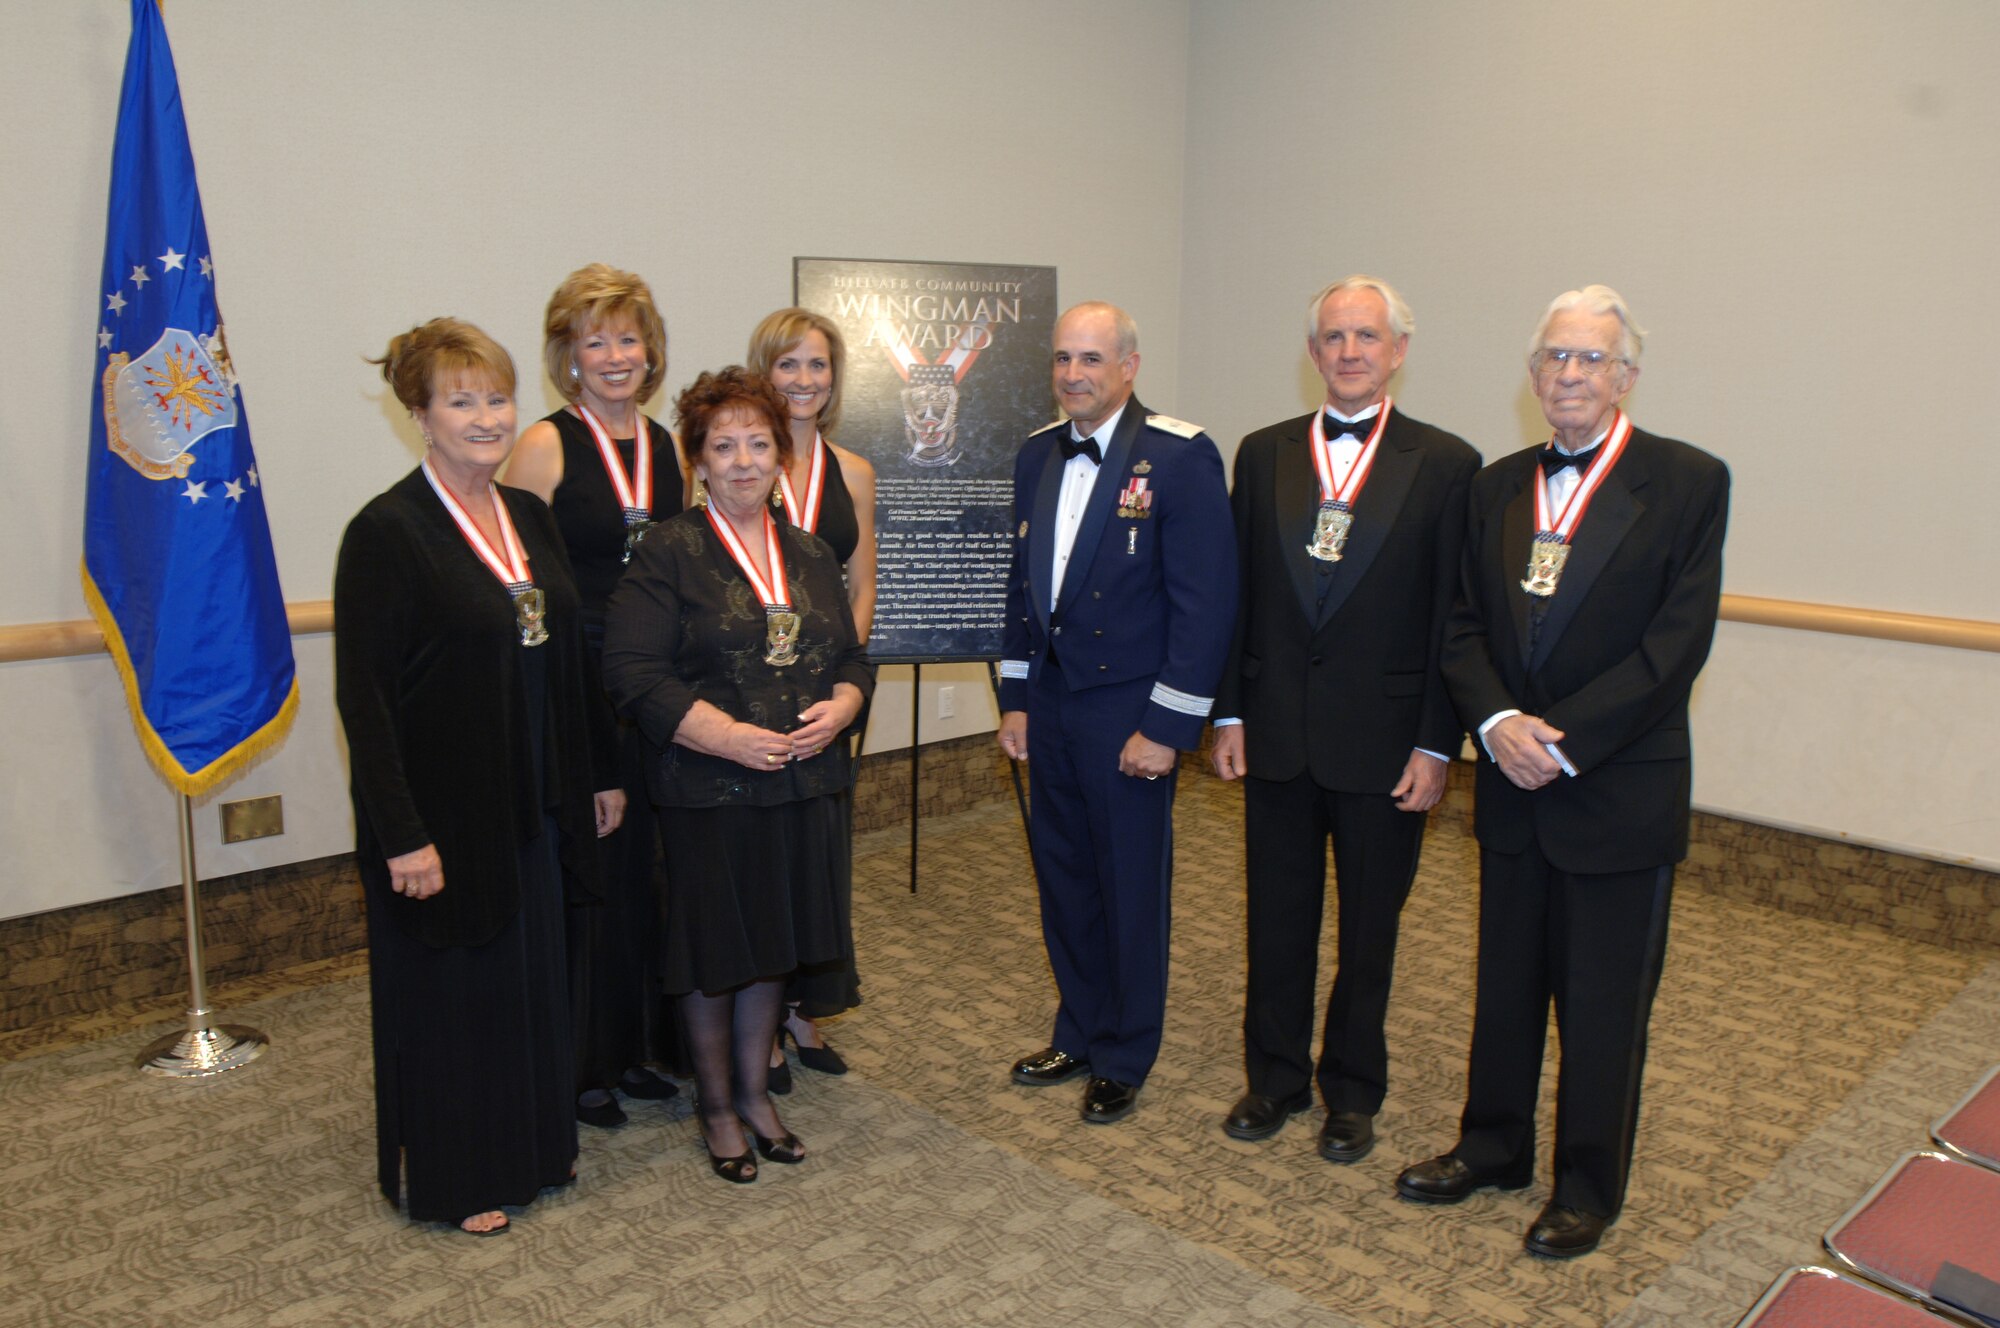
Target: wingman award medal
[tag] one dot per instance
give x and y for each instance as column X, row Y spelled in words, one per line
column 1546, row 557
column 635, row 491
column 1550, row 549
column 781, row 623
column 530, row 610
column 530, row 605
column 806, row 515
column 1336, row 501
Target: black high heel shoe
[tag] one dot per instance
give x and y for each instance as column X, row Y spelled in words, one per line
column 821, row 1058
column 786, row 1148
column 738, row 1170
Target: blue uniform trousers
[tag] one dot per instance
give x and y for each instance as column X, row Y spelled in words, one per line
column 1103, row 849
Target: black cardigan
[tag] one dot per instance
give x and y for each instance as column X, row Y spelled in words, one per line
column 684, row 626
column 428, row 680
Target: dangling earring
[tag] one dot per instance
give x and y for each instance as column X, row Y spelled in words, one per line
column 573, row 373
column 777, row 498
column 700, row 492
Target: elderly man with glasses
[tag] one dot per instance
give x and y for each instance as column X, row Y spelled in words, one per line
column 1592, row 577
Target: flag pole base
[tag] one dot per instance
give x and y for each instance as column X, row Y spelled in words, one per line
column 202, row 1049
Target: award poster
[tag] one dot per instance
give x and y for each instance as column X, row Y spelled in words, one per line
column 947, row 373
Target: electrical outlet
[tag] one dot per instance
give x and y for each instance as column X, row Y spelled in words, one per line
column 947, row 702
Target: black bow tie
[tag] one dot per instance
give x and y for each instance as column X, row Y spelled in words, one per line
column 1359, row 428
column 1553, row 461
column 1072, row 447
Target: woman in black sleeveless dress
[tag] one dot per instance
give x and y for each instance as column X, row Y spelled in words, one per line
column 605, row 348
column 830, row 491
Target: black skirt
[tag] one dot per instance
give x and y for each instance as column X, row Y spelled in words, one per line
column 752, row 893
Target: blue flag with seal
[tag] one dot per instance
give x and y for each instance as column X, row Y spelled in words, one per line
column 177, row 559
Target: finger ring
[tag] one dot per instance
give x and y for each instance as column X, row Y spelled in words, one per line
column 770, row 758
column 1152, row 776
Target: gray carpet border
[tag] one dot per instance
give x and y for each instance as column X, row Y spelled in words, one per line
column 247, row 1200
column 1779, row 1222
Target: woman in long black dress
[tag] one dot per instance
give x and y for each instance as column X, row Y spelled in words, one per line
column 731, row 642
column 605, row 348
column 830, row 491
column 476, row 743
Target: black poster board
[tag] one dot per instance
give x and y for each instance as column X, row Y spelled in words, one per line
column 947, row 372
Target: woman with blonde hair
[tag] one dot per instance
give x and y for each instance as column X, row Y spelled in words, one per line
column 605, row 349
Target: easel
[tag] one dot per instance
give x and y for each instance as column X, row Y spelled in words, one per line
column 916, row 749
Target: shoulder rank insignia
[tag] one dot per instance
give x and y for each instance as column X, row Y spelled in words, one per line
column 1168, row 424
column 1053, row 424
column 1023, row 533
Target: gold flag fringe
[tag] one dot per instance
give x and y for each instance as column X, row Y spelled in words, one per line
column 223, row 768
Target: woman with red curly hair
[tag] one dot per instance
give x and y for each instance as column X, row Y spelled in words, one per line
column 732, row 644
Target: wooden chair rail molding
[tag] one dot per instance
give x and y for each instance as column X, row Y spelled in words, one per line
column 1916, row 628
column 81, row 637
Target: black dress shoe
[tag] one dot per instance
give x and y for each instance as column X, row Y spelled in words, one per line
column 1258, row 1117
column 1562, row 1232
column 647, row 1085
column 1347, row 1136
column 1107, row 1100
column 1048, row 1066
column 1446, row 1179
column 823, row 1059
column 605, row 1115
column 779, row 1080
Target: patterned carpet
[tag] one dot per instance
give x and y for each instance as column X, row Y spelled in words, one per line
column 1792, row 1061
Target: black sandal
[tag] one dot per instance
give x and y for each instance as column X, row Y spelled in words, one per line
column 785, row 1148
column 738, row 1170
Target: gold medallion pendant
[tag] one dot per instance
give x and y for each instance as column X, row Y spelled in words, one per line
column 1330, row 533
column 781, row 637
column 530, row 608
column 1545, row 565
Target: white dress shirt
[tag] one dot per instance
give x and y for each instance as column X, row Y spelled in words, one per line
column 1343, row 452
column 1079, row 478
column 1560, row 486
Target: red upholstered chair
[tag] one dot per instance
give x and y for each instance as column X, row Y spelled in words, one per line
column 1821, row 1298
column 1930, row 1228
column 1972, row 1128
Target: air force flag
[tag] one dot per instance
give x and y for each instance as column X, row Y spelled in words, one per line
column 177, row 560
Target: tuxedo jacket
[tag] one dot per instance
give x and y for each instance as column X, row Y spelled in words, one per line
column 1346, row 684
column 1611, row 661
column 1150, row 593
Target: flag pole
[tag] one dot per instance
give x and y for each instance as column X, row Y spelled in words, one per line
column 201, row 1048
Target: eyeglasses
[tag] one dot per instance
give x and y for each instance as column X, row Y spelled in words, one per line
column 1552, row 360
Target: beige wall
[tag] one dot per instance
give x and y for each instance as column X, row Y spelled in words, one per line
column 1799, row 199
column 366, row 165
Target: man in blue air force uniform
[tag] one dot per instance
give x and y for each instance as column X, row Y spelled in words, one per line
column 1120, row 603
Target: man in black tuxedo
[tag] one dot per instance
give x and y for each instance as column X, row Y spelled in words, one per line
column 1349, row 523
column 1593, row 573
